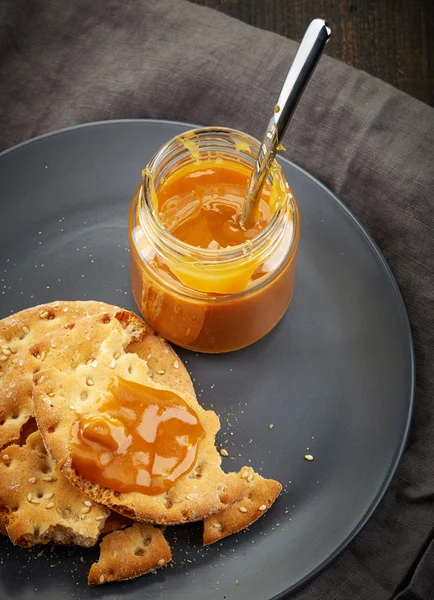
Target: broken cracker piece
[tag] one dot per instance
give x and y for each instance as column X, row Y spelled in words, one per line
column 39, row 505
column 130, row 553
column 17, row 334
column 259, row 496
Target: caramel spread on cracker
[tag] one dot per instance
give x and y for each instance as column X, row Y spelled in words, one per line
column 140, row 439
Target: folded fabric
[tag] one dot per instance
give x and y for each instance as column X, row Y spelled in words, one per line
column 65, row 63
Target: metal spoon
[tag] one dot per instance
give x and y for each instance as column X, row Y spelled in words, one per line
column 312, row 45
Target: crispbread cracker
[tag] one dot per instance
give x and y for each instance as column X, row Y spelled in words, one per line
column 63, row 394
column 17, row 334
column 259, row 496
column 39, row 505
column 130, row 553
column 21, row 330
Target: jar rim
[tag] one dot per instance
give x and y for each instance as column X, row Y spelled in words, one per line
column 207, row 255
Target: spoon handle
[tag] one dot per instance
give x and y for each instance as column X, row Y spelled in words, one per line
column 312, row 45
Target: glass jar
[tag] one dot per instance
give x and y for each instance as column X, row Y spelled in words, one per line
column 203, row 299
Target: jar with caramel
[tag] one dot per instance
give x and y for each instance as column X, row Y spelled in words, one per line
column 199, row 278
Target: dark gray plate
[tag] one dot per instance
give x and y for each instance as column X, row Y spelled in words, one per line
column 335, row 377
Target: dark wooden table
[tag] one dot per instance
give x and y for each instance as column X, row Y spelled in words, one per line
column 390, row 39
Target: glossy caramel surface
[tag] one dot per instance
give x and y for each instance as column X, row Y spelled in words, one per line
column 140, row 439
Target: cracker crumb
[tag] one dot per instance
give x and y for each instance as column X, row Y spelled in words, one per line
column 270, row 426
column 224, row 452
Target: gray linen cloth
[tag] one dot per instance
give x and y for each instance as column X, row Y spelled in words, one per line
column 68, row 62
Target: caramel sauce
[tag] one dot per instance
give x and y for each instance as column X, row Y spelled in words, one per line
column 140, row 439
column 201, row 205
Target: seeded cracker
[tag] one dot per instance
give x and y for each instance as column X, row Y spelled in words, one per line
column 130, row 553
column 17, row 333
column 259, row 496
column 64, row 393
column 39, row 505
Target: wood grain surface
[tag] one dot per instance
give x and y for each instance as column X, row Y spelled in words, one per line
column 390, row 39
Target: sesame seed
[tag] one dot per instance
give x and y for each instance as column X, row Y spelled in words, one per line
column 6, row 457
column 6, row 351
column 270, row 426
column 32, row 480
column 3, row 357
column 224, row 452
column 99, row 518
column 262, row 507
column 85, row 510
column 116, row 355
column 242, row 509
column 42, row 355
column 87, row 503
column 47, row 478
column 250, row 477
column 161, row 372
column 176, row 364
column 42, row 379
column 44, row 314
column 51, row 394
column 49, row 495
column 102, row 579
column 308, row 456
column 89, row 381
column 26, row 330
column 245, row 475
column 161, row 562
column 217, row 526
column 50, row 505
column 29, row 497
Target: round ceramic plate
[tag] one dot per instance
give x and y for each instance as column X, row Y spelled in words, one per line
column 335, row 377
